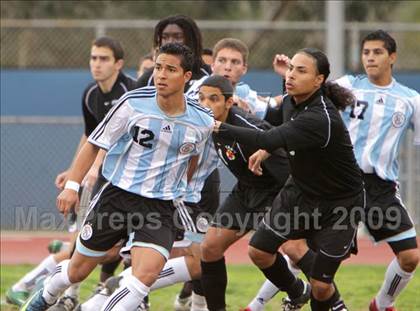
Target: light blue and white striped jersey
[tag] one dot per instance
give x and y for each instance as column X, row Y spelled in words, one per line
column 243, row 91
column 378, row 122
column 207, row 163
column 148, row 151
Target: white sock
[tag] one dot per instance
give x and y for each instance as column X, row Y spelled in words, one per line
column 58, row 282
column 292, row 266
column 128, row 297
column 174, row 271
column 396, row 279
column 267, row 291
column 73, row 291
column 26, row 283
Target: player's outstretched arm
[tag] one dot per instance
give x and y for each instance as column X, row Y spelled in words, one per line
column 68, row 198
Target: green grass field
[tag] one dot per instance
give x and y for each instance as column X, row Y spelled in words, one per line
column 358, row 284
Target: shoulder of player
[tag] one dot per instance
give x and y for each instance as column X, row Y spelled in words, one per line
column 126, row 82
column 404, row 91
column 205, row 114
column 146, row 92
column 90, row 90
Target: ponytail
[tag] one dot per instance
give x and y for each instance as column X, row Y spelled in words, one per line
column 339, row 96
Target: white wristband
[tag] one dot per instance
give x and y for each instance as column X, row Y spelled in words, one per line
column 272, row 102
column 72, row 185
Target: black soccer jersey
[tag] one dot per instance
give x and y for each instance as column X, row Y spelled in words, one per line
column 235, row 155
column 147, row 78
column 318, row 146
column 96, row 104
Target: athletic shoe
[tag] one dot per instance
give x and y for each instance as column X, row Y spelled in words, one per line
column 55, row 246
column 198, row 302
column 100, row 294
column 374, row 307
column 297, row 303
column 16, row 298
column 36, row 302
column 246, row 309
column 182, row 304
column 144, row 306
column 65, row 303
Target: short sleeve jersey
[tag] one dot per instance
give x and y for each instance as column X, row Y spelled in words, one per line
column 148, row 151
column 378, row 121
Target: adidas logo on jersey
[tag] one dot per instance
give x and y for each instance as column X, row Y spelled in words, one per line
column 166, row 129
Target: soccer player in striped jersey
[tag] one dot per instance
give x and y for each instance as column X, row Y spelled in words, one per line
column 153, row 137
column 110, row 83
column 377, row 122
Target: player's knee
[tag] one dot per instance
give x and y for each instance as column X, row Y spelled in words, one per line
column 295, row 249
column 409, row 259
column 146, row 276
column 77, row 273
column 210, row 250
column 321, row 290
column 260, row 258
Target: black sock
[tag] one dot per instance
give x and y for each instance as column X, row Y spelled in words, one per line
column 214, row 282
column 306, row 262
column 186, row 290
column 334, row 300
column 280, row 275
column 197, row 288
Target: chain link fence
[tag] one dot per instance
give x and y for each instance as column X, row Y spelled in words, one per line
column 66, row 43
column 34, row 150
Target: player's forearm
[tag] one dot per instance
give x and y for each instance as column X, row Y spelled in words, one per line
column 99, row 159
column 83, row 162
column 82, row 141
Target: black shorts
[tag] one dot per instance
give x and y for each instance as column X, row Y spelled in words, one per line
column 114, row 213
column 244, row 207
column 329, row 226
column 195, row 217
column 385, row 214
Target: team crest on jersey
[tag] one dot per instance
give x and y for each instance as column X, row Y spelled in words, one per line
column 187, row 148
column 202, row 224
column 230, row 153
column 86, row 232
column 398, row 119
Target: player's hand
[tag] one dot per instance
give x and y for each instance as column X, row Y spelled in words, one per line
column 242, row 104
column 61, row 179
column 66, row 200
column 91, row 177
column 281, row 64
column 255, row 160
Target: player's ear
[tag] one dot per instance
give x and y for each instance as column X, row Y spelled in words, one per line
column 393, row 58
column 187, row 76
column 119, row 63
column 229, row 102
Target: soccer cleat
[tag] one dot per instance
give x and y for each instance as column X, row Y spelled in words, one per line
column 65, row 303
column 55, row 246
column 374, row 307
column 36, row 302
column 296, row 304
column 246, row 309
column 101, row 294
column 17, row 298
column 143, row 306
column 182, row 304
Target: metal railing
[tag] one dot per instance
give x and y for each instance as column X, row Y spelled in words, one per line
column 66, row 43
